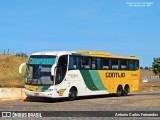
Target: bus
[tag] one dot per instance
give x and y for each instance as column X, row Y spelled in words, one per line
column 80, row 73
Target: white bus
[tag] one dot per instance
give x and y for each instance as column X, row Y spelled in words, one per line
column 80, row 73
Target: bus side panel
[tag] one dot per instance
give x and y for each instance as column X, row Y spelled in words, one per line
column 111, row 79
column 108, row 84
column 87, row 82
column 75, row 79
column 94, row 82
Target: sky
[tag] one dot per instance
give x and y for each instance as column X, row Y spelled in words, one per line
column 119, row 27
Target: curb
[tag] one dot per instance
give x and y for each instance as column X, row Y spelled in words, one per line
column 12, row 94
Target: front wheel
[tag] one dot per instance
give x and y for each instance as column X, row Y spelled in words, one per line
column 72, row 94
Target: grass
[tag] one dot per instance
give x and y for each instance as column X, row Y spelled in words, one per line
column 9, row 76
column 149, row 86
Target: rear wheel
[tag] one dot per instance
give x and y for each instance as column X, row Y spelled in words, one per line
column 119, row 91
column 126, row 90
column 72, row 94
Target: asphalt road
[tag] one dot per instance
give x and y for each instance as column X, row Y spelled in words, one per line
column 134, row 102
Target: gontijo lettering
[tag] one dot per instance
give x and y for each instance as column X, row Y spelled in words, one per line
column 115, row 75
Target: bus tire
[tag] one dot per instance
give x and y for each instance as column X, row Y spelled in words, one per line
column 126, row 90
column 72, row 94
column 119, row 91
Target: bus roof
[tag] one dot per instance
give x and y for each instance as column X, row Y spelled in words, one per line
column 84, row 53
column 102, row 54
column 56, row 53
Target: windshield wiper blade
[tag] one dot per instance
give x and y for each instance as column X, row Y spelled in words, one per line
column 31, row 81
column 38, row 79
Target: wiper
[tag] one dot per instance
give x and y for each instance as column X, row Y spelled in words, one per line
column 31, row 81
column 40, row 81
column 28, row 74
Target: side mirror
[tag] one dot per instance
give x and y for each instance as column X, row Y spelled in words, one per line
column 20, row 67
column 53, row 70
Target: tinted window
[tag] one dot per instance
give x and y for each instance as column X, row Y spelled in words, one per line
column 114, row 65
column 136, row 65
column 99, row 64
column 73, row 62
column 105, row 64
column 93, row 63
column 123, row 65
column 85, row 62
column 131, row 66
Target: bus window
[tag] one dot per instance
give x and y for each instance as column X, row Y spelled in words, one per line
column 131, row 65
column 93, row 63
column 123, row 65
column 99, row 66
column 85, row 63
column 114, row 65
column 136, row 65
column 73, row 62
column 105, row 64
column 77, row 62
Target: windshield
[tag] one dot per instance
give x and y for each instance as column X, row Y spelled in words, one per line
column 38, row 70
column 38, row 75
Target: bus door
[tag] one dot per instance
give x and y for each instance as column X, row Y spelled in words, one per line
column 60, row 81
column 61, row 69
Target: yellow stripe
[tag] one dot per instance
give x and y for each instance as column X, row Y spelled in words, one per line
column 31, row 87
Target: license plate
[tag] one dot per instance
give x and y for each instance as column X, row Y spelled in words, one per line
column 37, row 94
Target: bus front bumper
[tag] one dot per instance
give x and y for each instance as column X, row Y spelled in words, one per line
column 39, row 94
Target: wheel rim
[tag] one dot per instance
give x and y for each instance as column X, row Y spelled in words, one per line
column 126, row 90
column 119, row 92
column 72, row 94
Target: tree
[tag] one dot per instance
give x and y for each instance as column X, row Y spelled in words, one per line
column 156, row 66
column 141, row 67
column 146, row 68
column 21, row 54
